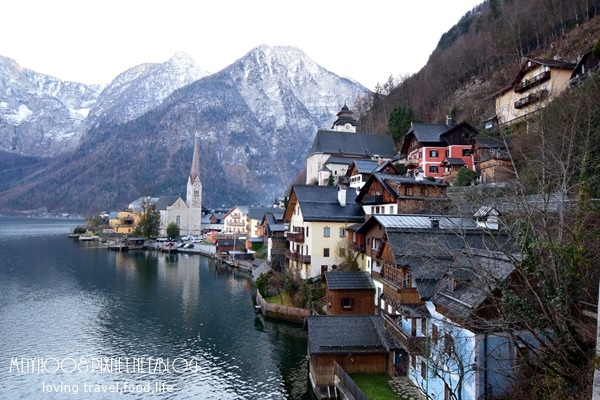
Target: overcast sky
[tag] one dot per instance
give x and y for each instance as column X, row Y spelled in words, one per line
column 92, row 41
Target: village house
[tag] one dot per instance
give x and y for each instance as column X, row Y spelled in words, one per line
column 342, row 144
column 235, row 222
column 273, row 230
column 317, row 218
column 360, row 171
column 587, row 65
column 124, row 222
column 438, row 150
column 213, row 221
column 538, row 82
column 349, row 293
column 492, row 160
column 255, row 234
column 352, row 343
column 394, row 194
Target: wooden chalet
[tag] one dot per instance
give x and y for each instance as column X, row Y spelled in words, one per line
column 349, row 292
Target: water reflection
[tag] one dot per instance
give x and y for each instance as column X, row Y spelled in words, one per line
column 71, row 299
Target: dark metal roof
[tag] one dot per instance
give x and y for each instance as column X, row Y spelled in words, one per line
column 491, row 142
column 453, row 161
column 164, row 201
column 336, row 334
column 349, row 280
column 353, row 144
column 366, row 166
column 258, row 212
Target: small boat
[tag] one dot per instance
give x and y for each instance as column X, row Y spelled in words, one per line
column 87, row 238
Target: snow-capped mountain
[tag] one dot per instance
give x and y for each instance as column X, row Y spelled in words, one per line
column 40, row 114
column 143, row 88
column 256, row 120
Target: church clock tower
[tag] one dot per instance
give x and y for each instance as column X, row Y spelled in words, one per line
column 194, row 193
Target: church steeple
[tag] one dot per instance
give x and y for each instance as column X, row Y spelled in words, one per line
column 195, row 172
column 194, row 186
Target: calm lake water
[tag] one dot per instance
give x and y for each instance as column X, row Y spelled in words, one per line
column 78, row 321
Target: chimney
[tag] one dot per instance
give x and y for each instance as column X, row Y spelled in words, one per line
column 435, row 223
column 449, row 122
column 419, row 174
column 342, row 195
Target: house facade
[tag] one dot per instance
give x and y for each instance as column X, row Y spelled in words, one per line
column 235, row 222
column 432, row 149
column 537, row 83
column 349, row 293
column 393, row 194
column 317, row 217
column 492, row 159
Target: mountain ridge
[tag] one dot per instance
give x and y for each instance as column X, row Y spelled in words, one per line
column 255, row 119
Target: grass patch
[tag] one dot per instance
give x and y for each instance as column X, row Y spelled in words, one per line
column 283, row 300
column 375, row 386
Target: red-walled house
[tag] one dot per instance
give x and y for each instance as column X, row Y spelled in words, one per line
column 427, row 146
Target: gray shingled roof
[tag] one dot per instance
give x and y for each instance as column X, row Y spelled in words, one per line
column 491, row 142
column 429, row 133
column 477, row 278
column 258, row 212
column 453, row 161
column 349, row 280
column 320, row 203
column 356, row 144
column 366, row 166
column 164, row 201
column 335, row 334
column 339, row 160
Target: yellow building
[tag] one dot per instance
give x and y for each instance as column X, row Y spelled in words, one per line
column 125, row 222
column 537, row 83
column 317, row 218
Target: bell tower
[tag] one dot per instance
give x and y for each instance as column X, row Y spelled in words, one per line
column 194, row 192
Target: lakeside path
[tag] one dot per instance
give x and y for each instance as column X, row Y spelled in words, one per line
column 200, row 248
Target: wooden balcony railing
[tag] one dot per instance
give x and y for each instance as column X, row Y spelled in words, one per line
column 412, row 163
column 529, row 83
column 412, row 344
column 302, row 258
column 530, row 98
column 297, row 237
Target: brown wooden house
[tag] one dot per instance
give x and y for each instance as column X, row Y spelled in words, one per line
column 390, row 194
column 350, row 292
column 492, row 160
column 358, row 343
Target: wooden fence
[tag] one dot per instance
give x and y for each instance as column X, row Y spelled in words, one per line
column 346, row 384
column 277, row 311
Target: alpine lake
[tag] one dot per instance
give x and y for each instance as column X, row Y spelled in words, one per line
column 78, row 321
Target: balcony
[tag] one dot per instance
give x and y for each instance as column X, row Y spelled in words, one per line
column 301, row 258
column 297, row 237
column 400, row 295
column 529, row 83
column 412, row 344
column 377, row 199
column 412, row 163
column 530, row 98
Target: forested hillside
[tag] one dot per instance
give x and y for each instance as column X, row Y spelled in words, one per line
column 481, row 54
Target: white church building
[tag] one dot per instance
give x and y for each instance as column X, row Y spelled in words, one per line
column 186, row 214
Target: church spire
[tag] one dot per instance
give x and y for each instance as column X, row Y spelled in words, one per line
column 195, row 172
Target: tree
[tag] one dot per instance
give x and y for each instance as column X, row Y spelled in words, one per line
column 173, row 230
column 330, row 180
column 465, row 177
column 347, row 259
column 149, row 223
column 400, row 121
